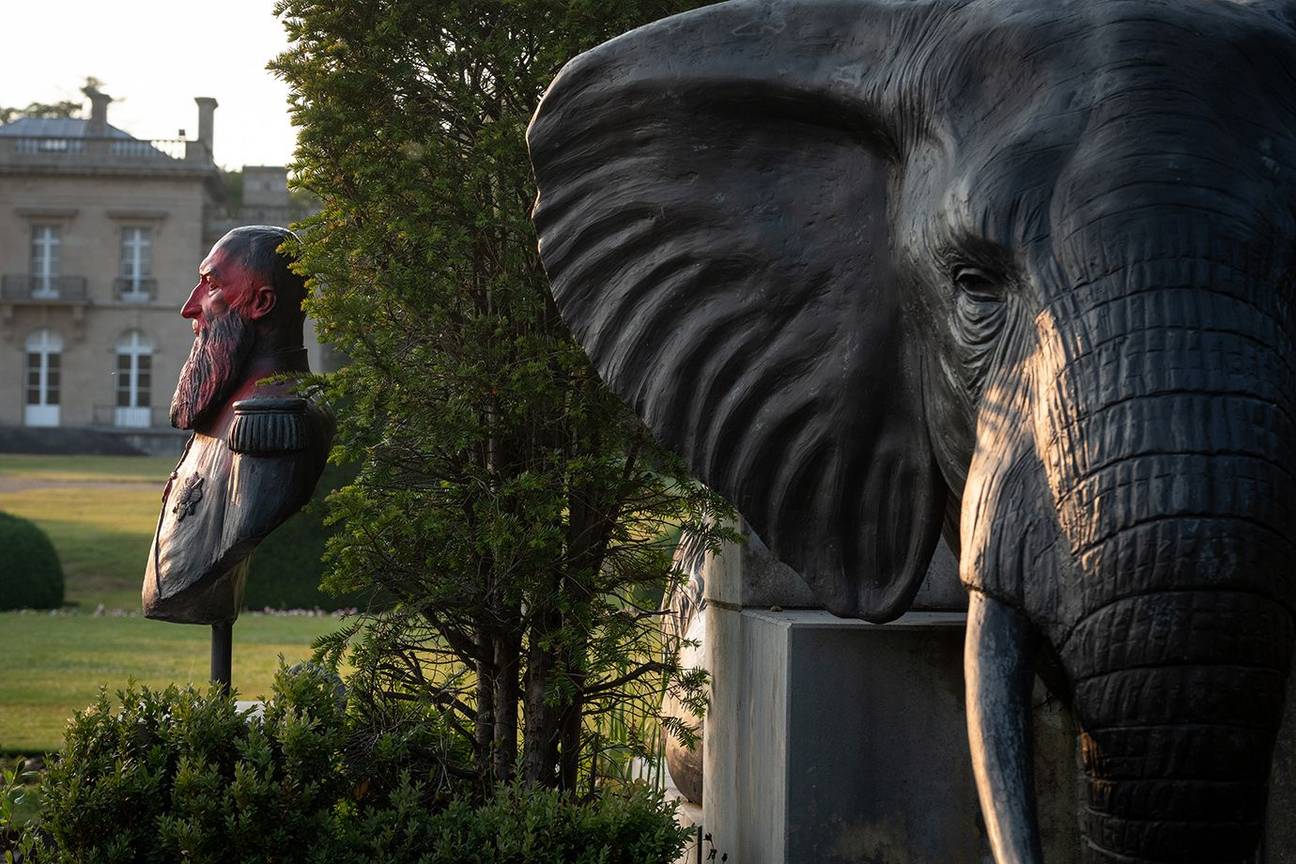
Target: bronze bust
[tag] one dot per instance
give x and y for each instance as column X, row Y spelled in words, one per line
column 257, row 448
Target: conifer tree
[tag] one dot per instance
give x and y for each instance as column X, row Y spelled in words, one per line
column 515, row 509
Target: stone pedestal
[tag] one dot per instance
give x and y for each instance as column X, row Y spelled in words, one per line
column 832, row 740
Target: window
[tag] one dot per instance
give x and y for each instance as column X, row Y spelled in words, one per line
column 134, row 379
column 48, row 145
column 44, row 351
column 136, row 270
column 46, row 240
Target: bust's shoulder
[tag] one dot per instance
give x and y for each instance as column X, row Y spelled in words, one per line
column 266, row 425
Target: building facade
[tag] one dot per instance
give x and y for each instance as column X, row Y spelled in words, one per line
column 101, row 234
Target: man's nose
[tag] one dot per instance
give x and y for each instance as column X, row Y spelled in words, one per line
column 192, row 308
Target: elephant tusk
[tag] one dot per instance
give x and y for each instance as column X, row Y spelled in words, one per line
column 998, row 673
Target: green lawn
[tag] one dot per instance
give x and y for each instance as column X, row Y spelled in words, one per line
column 145, row 469
column 102, row 537
column 100, row 513
column 53, row 665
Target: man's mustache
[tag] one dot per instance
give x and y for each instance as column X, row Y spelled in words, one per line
column 213, row 370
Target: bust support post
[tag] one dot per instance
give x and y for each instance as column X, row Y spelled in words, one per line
column 222, row 653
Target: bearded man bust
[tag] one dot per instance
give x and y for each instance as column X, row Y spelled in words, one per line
column 257, row 447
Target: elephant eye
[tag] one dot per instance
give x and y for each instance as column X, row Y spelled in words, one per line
column 980, row 313
column 977, row 284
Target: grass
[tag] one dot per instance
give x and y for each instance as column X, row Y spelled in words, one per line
column 55, row 664
column 102, row 537
column 100, row 512
column 141, row 469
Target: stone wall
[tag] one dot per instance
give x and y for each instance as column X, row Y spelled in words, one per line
column 92, row 211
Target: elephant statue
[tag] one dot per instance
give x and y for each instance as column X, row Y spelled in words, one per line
column 1018, row 271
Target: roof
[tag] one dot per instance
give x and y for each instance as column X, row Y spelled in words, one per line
column 58, row 127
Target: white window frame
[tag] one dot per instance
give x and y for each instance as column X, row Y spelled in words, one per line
column 43, row 412
column 134, row 345
column 139, row 266
column 46, row 259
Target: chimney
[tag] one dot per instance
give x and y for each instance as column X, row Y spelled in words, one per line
column 206, row 120
column 98, row 110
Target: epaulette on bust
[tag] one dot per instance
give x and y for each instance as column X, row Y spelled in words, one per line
column 265, row 426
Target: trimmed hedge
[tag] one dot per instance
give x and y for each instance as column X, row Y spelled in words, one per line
column 31, row 576
column 179, row 775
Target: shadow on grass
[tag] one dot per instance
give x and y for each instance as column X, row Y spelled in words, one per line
column 99, row 565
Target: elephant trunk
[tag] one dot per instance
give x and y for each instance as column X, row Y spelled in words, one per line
column 1179, row 706
column 1166, row 439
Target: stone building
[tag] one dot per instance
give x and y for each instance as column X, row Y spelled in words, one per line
column 100, row 237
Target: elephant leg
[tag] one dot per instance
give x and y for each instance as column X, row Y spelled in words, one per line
column 997, row 668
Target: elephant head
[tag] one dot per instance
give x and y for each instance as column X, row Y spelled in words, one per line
column 1021, row 271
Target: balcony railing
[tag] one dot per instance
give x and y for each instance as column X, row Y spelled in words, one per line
column 23, row 288
column 55, row 150
column 127, row 418
column 132, row 290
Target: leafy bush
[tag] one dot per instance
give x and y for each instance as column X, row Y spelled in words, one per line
column 16, row 794
column 178, row 774
column 30, row 574
column 518, row 825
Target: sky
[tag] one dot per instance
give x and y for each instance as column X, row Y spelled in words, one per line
column 156, row 56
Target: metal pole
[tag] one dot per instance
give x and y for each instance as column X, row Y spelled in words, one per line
column 222, row 652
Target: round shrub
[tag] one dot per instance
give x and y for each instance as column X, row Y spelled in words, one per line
column 30, row 574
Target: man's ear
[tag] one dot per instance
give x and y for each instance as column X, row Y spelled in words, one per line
column 260, row 303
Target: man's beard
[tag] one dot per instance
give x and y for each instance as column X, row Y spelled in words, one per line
column 213, row 369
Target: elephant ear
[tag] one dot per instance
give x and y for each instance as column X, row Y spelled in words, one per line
column 712, row 214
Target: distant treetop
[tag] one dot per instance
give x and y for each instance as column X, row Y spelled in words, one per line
column 61, row 110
